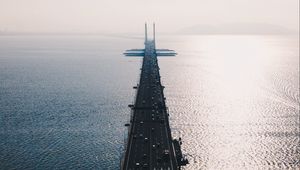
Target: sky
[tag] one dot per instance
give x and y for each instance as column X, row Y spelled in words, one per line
column 128, row 16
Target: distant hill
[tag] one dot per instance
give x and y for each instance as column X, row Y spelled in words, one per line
column 237, row 28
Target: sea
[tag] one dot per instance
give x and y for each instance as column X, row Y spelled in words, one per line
column 233, row 99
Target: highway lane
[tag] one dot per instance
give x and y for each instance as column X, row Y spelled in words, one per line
column 150, row 142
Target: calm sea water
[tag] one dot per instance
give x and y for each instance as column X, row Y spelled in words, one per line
column 233, row 99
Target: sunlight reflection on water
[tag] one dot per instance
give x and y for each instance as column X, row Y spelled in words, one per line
column 235, row 100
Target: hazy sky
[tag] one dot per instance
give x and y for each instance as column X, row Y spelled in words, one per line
column 116, row 16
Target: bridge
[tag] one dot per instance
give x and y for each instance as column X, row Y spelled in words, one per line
column 150, row 144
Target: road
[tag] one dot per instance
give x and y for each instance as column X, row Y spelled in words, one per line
column 149, row 144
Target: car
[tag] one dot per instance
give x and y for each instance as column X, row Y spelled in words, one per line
column 145, row 165
column 144, row 156
column 166, row 154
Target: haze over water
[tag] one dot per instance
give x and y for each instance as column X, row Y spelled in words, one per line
column 234, row 100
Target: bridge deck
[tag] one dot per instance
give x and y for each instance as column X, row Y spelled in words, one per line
column 150, row 144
